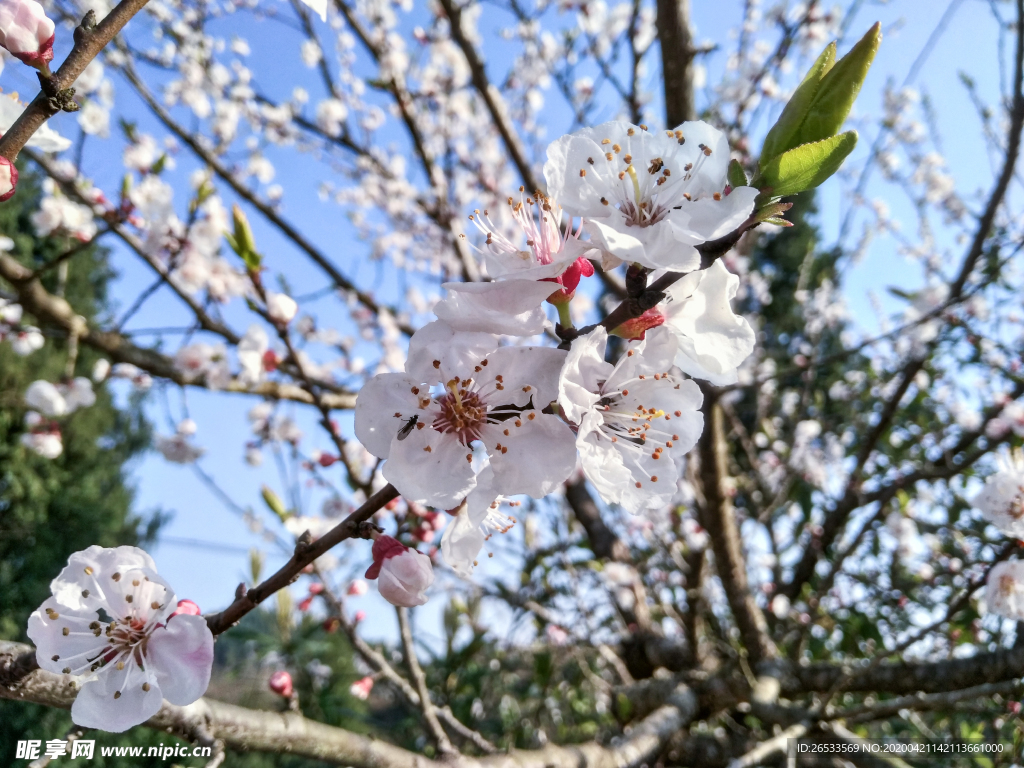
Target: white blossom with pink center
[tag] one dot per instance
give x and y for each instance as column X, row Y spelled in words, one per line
column 459, row 392
column 110, row 628
column 1001, row 501
column 648, row 197
column 636, row 419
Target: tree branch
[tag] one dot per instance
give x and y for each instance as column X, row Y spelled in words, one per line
column 444, row 746
column 677, row 54
column 719, row 519
column 89, row 41
column 305, row 553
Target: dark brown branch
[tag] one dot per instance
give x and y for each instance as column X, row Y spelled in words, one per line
column 677, row 54
column 718, row 517
column 604, row 543
column 89, row 41
column 305, row 554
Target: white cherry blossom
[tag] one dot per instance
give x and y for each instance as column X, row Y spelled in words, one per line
column 1001, row 501
column 111, row 628
column 460, row 390
column 1004, row 592
column 648, row 197
column 250, row 353
column 636, row 419
column 478, row 518
column 713, row 340
column 549, row 253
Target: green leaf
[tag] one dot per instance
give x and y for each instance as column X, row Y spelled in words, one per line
column 737, row 176
column 838, row 90
column 781, row 136
column 806, row 166
column 273, row 501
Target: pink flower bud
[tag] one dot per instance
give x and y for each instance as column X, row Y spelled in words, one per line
column 8, row 179
column 186, row 608
column 361, row 688
column 357, row 588
column 305, row 603
column 316, row 588
column 360, row 615
column 281, row 684
column 404, row 574
column 270, row 361
column 326, row 460
column 26, row 32
column 637, row 327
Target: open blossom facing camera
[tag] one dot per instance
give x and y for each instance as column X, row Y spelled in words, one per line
column 26, row 32
column 1004, row 593
column 636, row 420
column 648, row 197
column 113, row 627
column 460, row 390
column 403, row 574
column 1001, row 501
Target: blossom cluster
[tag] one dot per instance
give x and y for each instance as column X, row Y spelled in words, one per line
column 479, row 416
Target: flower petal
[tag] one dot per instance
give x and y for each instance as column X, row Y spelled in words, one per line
column 535, row 457
column 97, row 707
column 453, row 351
column 513, row 307
column 180, row 654
column 440, row 476
column 383, row 396
column 91, row 570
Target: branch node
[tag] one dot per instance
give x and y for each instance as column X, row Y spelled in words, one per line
column 241, row 591
column 83, row 30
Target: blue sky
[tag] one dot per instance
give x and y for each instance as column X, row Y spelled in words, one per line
column 209, row 576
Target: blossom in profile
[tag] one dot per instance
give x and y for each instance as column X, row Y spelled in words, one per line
column 281, row 307
column 281, row 684
column 404, row 575
column 636, row 420
column 113, row 628
column 26, row 32
column 8, row 179
column 361, row 688
column 478, row 518
column 648, row 197
column 713, row 340
column 1004, row 592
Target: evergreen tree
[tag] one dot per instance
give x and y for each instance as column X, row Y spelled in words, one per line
column 52, row 508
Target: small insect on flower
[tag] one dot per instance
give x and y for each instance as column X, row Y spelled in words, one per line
column 406, row 430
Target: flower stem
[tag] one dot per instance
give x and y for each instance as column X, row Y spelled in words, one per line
column 564, row 316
